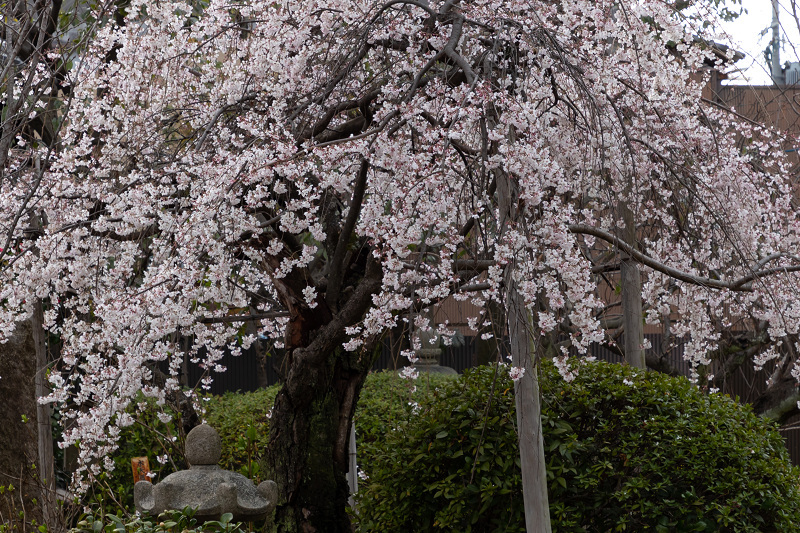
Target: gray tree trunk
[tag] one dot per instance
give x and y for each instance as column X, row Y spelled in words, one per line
column 631, row 285
column 529, row 416
column 631, row 282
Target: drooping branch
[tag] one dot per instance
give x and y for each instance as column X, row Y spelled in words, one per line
column 743, row 284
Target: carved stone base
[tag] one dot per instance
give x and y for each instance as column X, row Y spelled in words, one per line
column 429, row 362
column 436, row 369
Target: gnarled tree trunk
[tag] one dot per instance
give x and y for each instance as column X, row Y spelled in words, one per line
column 310, row 430
column 308, row 455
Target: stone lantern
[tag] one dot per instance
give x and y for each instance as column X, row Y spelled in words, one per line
column 205, row 487
column 429, row 354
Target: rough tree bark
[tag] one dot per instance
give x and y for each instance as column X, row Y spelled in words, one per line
column 309, row 441
column 307, row 456
column 18, row 438
column 308, row 452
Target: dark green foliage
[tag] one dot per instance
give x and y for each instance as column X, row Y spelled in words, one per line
column 453, row 466
column 242, row 421
column 626, row 451
column 386, row 401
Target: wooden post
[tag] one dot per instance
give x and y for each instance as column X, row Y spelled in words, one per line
column 631, row 285
column 44, row 427
column 526, row 391
column 529, row 416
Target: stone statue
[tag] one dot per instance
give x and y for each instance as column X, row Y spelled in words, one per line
column 205, row 487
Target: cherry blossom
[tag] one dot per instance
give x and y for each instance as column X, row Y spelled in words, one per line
column 327, row 171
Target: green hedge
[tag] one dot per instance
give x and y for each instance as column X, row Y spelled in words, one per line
column 426, row 475
column 626, row 451
column 387, row 401
column 242, row 421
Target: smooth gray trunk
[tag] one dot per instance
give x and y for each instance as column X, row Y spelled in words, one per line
column 631, row 285
column 529, row 416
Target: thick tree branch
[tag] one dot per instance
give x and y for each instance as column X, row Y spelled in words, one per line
column 336, row 264
column 743, row 284
column 450, row 49
column 308, row 359
column 322, row 123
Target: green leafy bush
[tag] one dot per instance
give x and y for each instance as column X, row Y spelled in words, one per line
column 242, row 420
column 388, row 400
column 450, row 466
column 168, row 522
column 626, row 451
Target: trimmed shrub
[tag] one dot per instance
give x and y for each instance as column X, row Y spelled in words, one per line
column 451, row 466
column 387, row 401
column 626, row 451
column 242, row 420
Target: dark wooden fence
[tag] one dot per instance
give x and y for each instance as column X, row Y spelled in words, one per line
column 241, row 373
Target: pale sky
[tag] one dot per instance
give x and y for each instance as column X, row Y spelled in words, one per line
column 745, row 36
